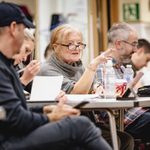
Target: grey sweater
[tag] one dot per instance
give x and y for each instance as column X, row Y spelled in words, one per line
column 71, row 73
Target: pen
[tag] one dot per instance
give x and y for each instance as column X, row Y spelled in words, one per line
column 21, row 70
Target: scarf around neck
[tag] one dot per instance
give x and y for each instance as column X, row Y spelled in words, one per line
column 70, row 69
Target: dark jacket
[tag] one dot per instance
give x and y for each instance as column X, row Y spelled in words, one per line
column 19, row 119
column 29, row 85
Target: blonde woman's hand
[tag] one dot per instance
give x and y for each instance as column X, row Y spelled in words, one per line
column 101, row 59
column 108, row 53
column 30, row 71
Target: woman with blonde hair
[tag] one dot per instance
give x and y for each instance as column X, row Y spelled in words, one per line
column 28, row 72
column 67, row 47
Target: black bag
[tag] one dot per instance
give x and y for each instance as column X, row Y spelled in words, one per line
column 144, row 91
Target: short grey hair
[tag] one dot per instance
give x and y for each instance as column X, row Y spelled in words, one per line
column 119, row 31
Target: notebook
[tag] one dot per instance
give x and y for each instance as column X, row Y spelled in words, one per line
column 45, row 88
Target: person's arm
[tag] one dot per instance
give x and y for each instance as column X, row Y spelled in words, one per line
column 83, row 85
column 85, row 82
column 18, row 117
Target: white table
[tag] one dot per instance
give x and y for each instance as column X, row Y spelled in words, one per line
column 108, row 105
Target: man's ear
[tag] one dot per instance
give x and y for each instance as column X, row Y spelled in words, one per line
column 13, row 28
column 117, row 44
column 140, row 50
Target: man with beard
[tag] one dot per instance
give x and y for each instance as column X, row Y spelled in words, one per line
column 122, row 41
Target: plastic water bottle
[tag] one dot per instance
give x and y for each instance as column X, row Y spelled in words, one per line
column 99, row 74
column 128, row 73
column 110, row 79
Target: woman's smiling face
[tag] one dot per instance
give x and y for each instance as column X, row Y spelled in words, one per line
column 67, row 55
column 67, row 44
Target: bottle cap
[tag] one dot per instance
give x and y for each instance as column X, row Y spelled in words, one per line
column 129, row 66
column 109, row 63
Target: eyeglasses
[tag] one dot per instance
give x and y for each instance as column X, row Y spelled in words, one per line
column 134, row 44
column 28, row 51
column 72, row 47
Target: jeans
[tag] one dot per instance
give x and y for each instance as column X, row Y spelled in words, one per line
column 125, row 141
column 71, row 133
column 140, row 127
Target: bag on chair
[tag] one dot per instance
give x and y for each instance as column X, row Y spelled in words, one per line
column 144, row 91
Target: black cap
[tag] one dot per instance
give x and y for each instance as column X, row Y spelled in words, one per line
column 10, row 12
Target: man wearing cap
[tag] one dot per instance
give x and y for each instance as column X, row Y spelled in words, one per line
column 53, row 127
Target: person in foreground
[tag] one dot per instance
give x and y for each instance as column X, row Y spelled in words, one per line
column 59, row 127
column 65, row 60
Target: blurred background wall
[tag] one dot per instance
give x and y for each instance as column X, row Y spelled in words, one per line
column 92, row 17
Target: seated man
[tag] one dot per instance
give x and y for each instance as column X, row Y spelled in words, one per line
column 129, row 48
column 60, row 127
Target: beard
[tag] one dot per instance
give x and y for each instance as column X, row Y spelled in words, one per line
column 126, row 59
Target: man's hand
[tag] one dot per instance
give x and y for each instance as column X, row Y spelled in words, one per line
column 49, row 108
column 61, row 110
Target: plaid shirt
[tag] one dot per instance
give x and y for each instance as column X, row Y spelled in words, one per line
column 130, row 114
